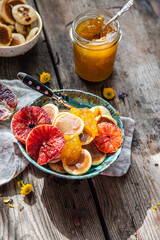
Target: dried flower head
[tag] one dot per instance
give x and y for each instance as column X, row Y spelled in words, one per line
column 108, row 93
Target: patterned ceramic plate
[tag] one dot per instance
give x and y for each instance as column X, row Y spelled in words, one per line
column 78, row 99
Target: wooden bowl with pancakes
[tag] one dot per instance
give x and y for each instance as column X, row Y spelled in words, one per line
column 20, row 27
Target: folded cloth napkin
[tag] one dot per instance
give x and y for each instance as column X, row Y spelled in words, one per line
column 12, row 161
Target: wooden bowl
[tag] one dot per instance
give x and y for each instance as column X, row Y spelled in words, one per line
column 12, row 51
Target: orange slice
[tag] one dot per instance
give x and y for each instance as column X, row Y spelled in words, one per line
column 82, row 166
column 51, row 110
column 97, row 156
column 109, row 138
column 69, row 124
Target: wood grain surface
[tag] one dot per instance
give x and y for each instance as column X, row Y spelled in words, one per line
column 102, row 207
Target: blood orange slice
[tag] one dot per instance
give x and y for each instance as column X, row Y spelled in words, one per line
column 8, row 102
column 27, row 118
column 51, row 110
column 109, row 137
column 44, row 143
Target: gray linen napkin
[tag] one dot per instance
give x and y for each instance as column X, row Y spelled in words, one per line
column 12, row 162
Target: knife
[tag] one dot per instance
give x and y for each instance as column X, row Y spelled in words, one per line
column 41, row 88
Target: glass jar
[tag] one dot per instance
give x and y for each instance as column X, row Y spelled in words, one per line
column 94, row 59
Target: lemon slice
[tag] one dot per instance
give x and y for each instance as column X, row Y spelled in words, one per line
column 82, row 166
column 69, row 124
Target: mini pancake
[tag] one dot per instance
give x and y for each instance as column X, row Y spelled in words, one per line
column 17, row 39
column 32, row 33
column 5, row 35
column 97, row 156
column 57, row 167
column 51, row 110
column 69, row 124
column 100, row 110
column 6, row 10
column 82, row 166
column 107, row 118
column 85, row 138
column 24, row 14
column 57, row 159
column 23, row 29
column 12, row 27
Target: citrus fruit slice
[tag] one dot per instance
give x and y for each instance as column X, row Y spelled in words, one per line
column 27, row 118
column 97, row 156
column 90, row 123
column 8, row 102
column 82, row 166
column 99, row 111
column 51, row 110
column 69, row 124
column 109, row 137
column 71, row 151
column 85, row 138
column 44, row 143
column 107, row 118
column 57, row 167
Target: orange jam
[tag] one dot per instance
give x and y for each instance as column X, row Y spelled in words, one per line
column 94, row 55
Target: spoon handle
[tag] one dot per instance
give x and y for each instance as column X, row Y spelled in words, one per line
column 125, row 8
column 41, row 88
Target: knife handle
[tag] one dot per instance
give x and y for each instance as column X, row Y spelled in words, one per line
column 34, row 84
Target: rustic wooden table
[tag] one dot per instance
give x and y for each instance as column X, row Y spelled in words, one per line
column 103, row 207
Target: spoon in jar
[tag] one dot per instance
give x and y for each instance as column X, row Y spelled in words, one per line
column 125, row 8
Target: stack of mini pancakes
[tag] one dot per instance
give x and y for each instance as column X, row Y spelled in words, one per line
column 16, row 22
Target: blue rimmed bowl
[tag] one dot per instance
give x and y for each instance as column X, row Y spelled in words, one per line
column 78, row 99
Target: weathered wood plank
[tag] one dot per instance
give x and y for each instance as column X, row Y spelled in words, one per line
column 127, row 202
column 57, row 209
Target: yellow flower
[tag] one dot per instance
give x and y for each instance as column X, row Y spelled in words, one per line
column 6, row 201
column 108, row 93
column 158, row 204
column 11, row 206
column 154, row 208
column 26, row 189
column 45, row 77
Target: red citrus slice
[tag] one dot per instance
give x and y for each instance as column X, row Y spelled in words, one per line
column 27, row 118
column 44, row 143
column 8, row 102
column 51, row 110
column 109, row 137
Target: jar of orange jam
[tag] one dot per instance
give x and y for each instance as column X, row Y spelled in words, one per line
column 94, row 55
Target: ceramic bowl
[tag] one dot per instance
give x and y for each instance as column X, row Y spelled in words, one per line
column 12, row 51
column 78, row 99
